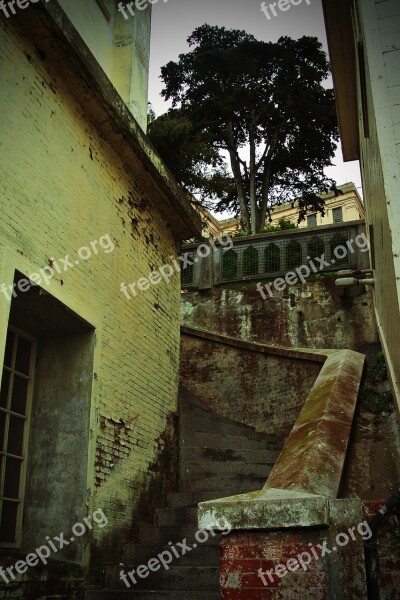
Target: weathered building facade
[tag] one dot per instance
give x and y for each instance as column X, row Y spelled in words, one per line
column 90, row 378
column 364, row 44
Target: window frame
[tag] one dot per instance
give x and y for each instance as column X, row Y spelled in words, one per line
column 314, row 216
column 25, row 448
column 341, row 214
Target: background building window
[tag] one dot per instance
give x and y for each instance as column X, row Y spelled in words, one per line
column 337, row 214
column 15, row 406
column 312, row 220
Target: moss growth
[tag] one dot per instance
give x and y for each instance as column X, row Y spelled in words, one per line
column 378, row 371
column 322, row 276
column 377, row 402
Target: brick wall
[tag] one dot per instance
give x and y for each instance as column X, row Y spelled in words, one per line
column 243, row 554
column 62, row 187
column 312, row 563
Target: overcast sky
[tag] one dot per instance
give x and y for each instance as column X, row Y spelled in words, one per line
column 174, row 20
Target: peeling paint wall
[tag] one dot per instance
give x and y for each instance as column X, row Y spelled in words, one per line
column 62, row 187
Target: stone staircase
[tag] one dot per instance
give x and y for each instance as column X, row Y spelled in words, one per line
column 218, row 457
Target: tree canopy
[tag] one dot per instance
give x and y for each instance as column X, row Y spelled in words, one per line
column 252, row 125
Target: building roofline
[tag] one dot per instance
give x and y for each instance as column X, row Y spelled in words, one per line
column 59, row 44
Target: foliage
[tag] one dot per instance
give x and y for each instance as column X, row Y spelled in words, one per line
column 282, row 225
column 251, row 125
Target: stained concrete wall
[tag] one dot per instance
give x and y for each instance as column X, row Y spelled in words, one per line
column 315, row 315
column 262, row 390
column 58, row 454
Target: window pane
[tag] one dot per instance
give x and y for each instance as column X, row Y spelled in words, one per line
column 250, row 261
column 2, row 429
column 23, row 358
column 12, row 478
column 4, row 388
column 19, row 395
column 312, row 220
column 8, row 522
column 272, row 258
column 293, row 255
column 9, row 349
column 15, row 436
column 337, row 215
column 229, row 264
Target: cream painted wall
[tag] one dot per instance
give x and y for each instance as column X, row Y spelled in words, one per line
column 62, row 186
column 121, row 47
column 380, row 36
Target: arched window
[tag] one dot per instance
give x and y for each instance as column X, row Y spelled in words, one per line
column 250, row 261
column 229, row 264
column 316, row 247
column 187, row 272
column 293, row 255
column 272, row 258
column 339, row 250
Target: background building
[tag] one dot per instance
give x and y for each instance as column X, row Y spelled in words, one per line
column 348, row 206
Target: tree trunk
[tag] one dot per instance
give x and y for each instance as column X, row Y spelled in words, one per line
column 235, row 166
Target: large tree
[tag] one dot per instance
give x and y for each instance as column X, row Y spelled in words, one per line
column 260, row 105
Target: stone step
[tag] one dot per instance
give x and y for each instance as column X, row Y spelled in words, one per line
column 214, row 440
column 191, row 499
column 222, row 470
column 150, row 594
column 209, row 425
column 136, row 554
column 193, row 412
column 176, row 516
column 225, row 455
column 153, row 534
column 225, row 485
column 176, row 577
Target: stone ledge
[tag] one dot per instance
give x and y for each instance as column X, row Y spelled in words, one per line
column 313, row 457
column 266, row 509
